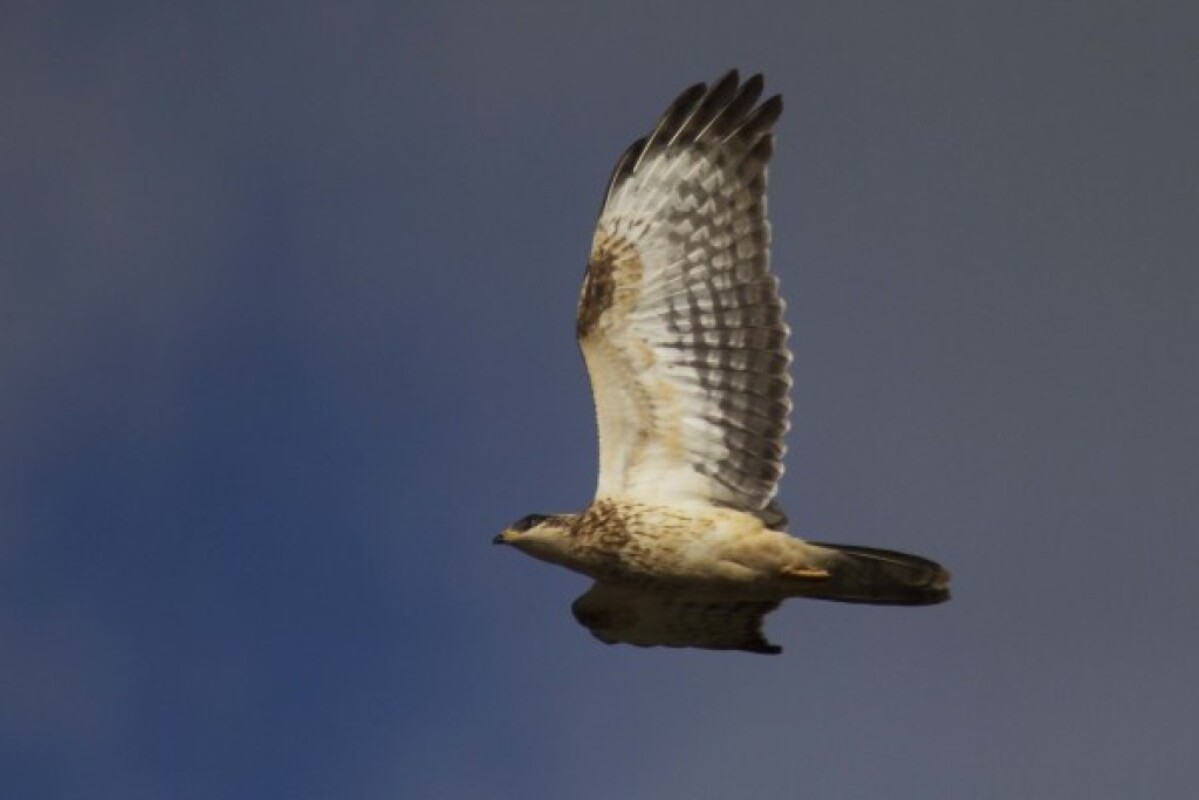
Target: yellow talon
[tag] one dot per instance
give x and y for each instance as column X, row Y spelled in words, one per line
column 807, row 573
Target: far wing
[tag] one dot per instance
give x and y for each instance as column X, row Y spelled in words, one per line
column 616, row 615
column 680, row 320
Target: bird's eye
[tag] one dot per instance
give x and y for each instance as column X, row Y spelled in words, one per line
column 531, row 521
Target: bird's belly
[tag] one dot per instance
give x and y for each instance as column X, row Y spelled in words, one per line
column 676, row 558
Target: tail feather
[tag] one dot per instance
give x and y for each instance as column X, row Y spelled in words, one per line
column 880, row 577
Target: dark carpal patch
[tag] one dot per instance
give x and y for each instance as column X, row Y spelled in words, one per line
column 599, row 288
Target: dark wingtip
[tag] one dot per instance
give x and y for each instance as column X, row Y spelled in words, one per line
column 686, row 99
column 762, row 118
column 624, row 167
column 726, row 88
column 724, row 110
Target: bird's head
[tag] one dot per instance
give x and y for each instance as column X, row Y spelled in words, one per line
column 544, row 536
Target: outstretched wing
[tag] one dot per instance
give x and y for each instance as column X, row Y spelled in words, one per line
column 680, row 320
column 616, row 615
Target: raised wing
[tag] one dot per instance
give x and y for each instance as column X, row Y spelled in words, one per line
column 617, row 615
column 680, row 320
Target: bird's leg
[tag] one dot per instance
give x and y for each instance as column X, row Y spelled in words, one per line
column 805, row 572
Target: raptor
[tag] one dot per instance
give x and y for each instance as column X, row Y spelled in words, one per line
column 681, row 326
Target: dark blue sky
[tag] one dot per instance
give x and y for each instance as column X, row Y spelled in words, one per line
column 286, row 335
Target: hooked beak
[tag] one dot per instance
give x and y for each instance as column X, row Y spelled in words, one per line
column 501, row 538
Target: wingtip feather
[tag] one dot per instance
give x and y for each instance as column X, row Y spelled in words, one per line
column 724, row 110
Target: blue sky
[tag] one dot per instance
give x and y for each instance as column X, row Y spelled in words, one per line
column 286, row 317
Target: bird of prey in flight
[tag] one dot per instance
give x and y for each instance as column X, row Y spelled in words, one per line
column 681, row 325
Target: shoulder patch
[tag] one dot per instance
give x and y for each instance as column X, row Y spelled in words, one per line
column 613, row 274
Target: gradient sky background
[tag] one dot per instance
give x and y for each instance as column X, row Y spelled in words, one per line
column 286, row 336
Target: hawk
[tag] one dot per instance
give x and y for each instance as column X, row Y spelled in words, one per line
column 681, row 326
